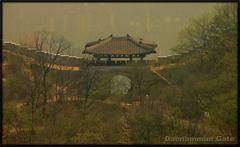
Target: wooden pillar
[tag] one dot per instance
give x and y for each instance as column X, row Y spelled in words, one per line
column 130, row 57
column 97, row 57
column 109, row 59
column 142, row 56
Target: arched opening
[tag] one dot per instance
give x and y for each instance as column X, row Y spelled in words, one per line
column 120, row 84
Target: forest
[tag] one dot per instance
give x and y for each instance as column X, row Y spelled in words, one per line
column 196, row 98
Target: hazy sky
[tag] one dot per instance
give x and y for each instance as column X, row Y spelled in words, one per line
column 85, row 22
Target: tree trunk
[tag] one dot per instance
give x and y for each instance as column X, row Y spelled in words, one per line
column 44, row 94
column 86, row 98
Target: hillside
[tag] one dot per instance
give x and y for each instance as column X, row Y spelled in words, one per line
column 188, row 98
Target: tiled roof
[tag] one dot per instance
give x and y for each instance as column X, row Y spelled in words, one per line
column 120, row 45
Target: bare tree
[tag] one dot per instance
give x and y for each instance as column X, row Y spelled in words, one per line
column 49, row 46
column 138, row 79
column 34, row 95
column 88, row 79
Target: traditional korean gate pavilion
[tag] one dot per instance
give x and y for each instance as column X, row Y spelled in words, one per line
column 119, row 47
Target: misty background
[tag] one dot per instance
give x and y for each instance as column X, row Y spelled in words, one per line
column 85, row 22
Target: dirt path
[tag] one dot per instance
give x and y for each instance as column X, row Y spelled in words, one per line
column 125, row 128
